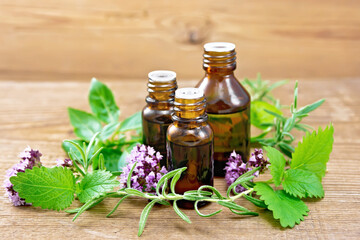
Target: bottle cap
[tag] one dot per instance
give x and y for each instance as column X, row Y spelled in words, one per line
column 162, row 76
column 219, row 47
column 189, row 93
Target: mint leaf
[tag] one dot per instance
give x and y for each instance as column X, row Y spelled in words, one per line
column 301, row 183
column 102, row 102
column 131, row 123
column 96, row 184
column 313, row 152
column 108, row 130
column 85, row 124
column 288, row 209
column 111, row 159
column 51, row 188
column 277, row 161
column 259, row 116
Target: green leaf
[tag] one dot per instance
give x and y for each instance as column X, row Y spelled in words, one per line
column 85, row 124
column 131, row 123
column 68, row 147
column 96, row 184
column 111, row 159
column 144, row 216
column 51, row 188
column 301, row 183
column 313, row 152
column 180, row 213
column 288, row 209
column 259, row 116
column 277, row 165
column 109, row 130
column 309, row 108
column 102, row 102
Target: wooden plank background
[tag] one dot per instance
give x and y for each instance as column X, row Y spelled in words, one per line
column 120, row 40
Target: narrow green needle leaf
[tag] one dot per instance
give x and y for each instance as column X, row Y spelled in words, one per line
column 180, row 213
column 117, row 205
column 144, row 216
column 204, row 215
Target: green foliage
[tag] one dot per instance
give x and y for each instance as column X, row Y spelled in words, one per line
column 102, row 102
column 104, row 120
column 95, row 184
column 266, row 114
column 302, row 184
column 51, row 188
column 85, row 124
column 277, row 166
column 288, row 209
column 313, row 152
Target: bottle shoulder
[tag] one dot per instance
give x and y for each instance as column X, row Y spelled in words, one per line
column 224, row 94
column 190, row 136
column 157, row 115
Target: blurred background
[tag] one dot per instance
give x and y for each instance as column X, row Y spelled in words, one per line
column 119, row 40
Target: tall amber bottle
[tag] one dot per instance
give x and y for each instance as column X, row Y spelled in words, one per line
column 228, row 104
column 156, row 116
column 190, row 142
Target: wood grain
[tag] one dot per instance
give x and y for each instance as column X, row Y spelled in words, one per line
column 35, row 114
column 114, row 40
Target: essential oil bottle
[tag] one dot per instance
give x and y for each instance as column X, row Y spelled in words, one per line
column 190, row 142
column 228, row 104
column 156, row 116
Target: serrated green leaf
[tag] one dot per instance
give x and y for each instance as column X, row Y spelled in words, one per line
column 288, row 209
column 301, row 183
column 259, row 116
column 96, row 184
column 51, row 188
column 313, row 152
column 102, row 102
column 85, row 124
column 131, row 123
column 277, row 164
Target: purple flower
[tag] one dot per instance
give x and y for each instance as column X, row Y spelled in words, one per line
column 64, row 163
column 29, row 159
column 147, row 171
column 235, row 167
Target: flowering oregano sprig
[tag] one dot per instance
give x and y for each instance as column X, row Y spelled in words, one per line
column 29, row 159
column 235, row 167
column 147, row 171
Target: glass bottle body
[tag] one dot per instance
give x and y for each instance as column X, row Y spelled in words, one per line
column 228, row 107
column 156, row 115
column 190, row 144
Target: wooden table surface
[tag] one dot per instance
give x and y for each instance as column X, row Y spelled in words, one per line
column 35, row 114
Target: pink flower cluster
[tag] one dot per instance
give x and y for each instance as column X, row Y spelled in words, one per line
column 147, row 171
column 29, row 159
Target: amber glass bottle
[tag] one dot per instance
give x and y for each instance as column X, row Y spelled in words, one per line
column 156, row 116
column 190, row 142
column 228, row 104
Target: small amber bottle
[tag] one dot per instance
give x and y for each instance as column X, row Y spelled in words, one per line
column 156, row 116
column 190, row 142
column 228, row 104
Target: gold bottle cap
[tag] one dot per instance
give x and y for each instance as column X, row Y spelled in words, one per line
column 189, row 93
column 162, row 76
column 219, row 47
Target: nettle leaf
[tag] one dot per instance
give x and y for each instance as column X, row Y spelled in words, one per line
column 288, row 209
column 51, row 188
column 85, row 124
column 131, row 123
column 102, row 102
column 313, row 152
column 259, row 116
column 277, row 165
column 301, row 183
column 96, row 184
